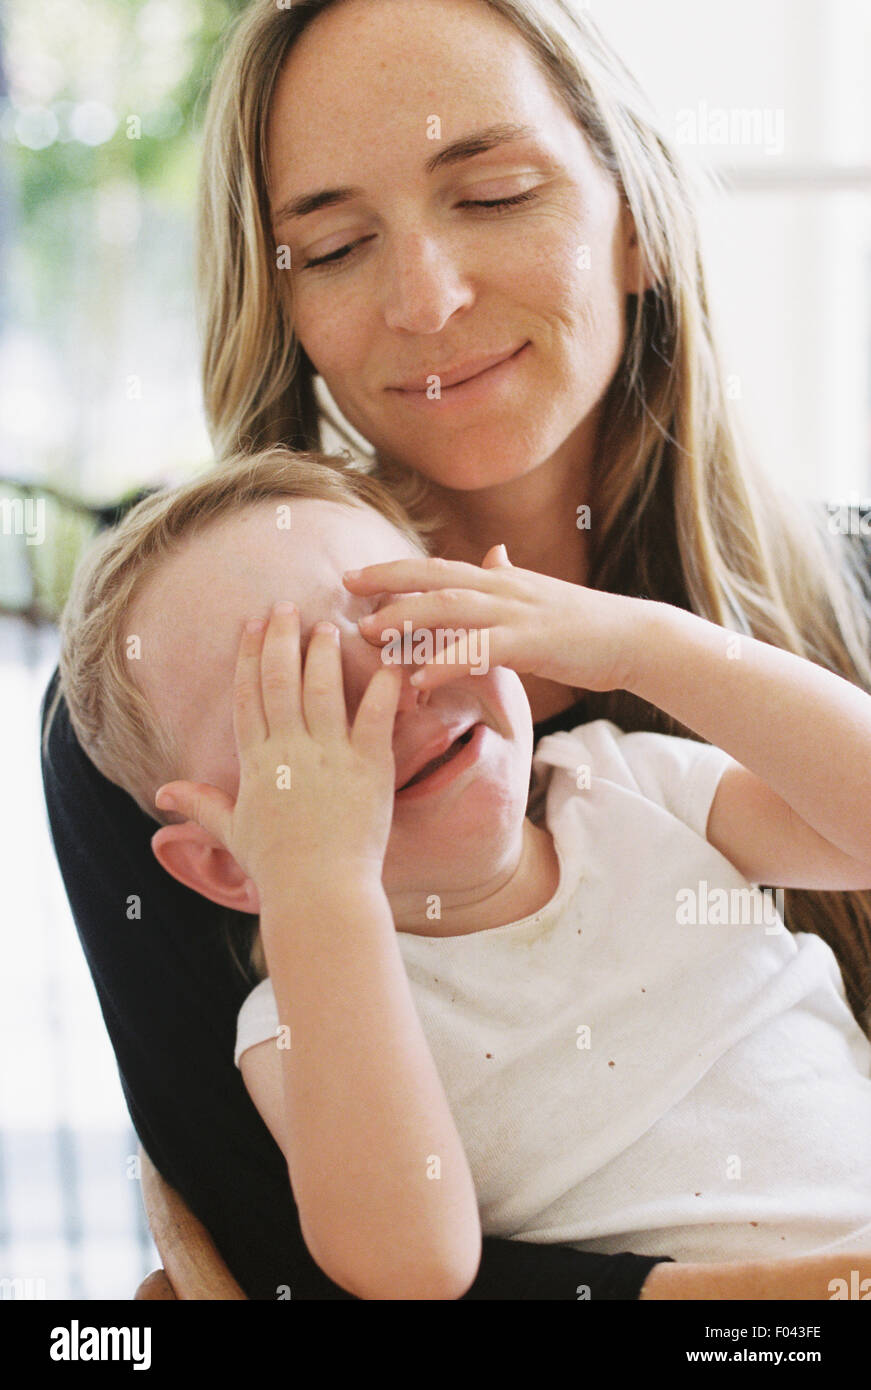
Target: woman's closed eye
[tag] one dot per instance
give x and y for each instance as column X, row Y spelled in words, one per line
column 495, row 205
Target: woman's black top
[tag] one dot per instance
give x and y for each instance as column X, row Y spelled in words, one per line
column 170, row 993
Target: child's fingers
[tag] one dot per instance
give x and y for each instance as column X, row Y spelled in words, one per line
column 323, row 691
column 249, row 719
column 398, row 576
column 496, row 558
column 280, row 667
column 475, row 653
column 444, row 612
column 431, row 676
column 376, row 713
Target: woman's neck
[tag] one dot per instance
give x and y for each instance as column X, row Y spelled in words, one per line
column 536, row 518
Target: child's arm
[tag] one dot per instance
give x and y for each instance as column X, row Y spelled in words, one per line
column 769, row 843
column 386, row 1201
column 796, row 809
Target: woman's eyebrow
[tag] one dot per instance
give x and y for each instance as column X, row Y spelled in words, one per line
column 466, row 147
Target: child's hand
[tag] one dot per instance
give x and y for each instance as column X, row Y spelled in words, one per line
column 562, row 632
column 315, row 798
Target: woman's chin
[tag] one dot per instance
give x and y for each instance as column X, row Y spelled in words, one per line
column 481, row 458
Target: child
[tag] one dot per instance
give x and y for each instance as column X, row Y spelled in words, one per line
column 472, row 1021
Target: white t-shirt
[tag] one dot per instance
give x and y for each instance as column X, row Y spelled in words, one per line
column 627, row 1069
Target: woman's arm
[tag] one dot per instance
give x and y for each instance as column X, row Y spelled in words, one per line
column 816, row 1277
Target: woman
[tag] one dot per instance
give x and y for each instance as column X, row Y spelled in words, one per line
column 490, row 199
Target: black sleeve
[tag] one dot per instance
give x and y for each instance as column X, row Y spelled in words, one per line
column 170, row 993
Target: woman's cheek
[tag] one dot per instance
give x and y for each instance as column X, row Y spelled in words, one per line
column 324, row 322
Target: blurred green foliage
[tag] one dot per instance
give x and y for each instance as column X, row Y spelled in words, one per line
column 100, row 147
column 143, row 61
column 169, row 113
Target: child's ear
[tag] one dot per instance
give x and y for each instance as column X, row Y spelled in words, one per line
column 201, row 862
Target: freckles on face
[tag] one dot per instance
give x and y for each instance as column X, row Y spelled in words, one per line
column 421, row 274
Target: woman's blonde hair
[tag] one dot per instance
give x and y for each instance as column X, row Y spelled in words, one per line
column 683, row 514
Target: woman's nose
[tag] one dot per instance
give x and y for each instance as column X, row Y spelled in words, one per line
column 423, row 286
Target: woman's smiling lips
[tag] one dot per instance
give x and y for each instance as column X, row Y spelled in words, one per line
column 475, row 385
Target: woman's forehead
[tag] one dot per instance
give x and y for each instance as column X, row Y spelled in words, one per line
column 450, row 58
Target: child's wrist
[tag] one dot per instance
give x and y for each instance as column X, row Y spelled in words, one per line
column 648, row 633
column 298, row 888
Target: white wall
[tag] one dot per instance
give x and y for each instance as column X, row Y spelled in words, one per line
column 789, row 270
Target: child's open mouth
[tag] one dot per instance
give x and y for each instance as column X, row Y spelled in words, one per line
column 441, row 770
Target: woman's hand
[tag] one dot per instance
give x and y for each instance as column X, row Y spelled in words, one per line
column 821, row 1278
column 314, row 797
column 533, row 623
